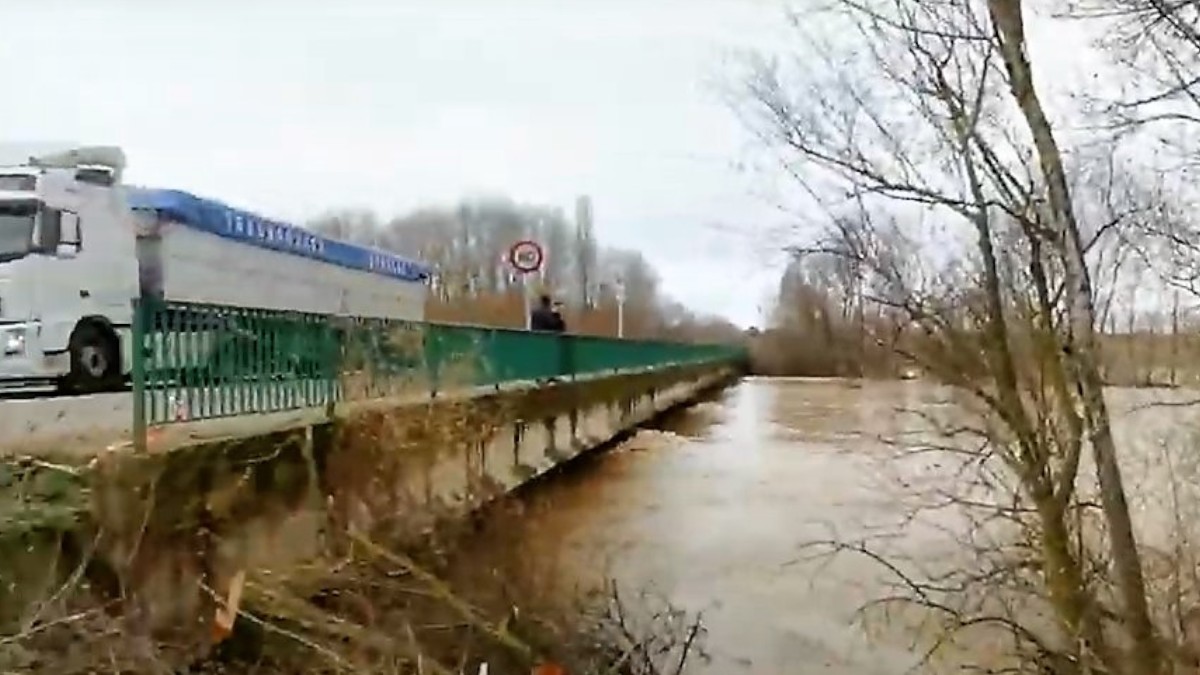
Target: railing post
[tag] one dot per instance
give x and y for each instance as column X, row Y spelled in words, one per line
column 138, row 372
column 491, row 360
column 432, row 358
column 329, row 367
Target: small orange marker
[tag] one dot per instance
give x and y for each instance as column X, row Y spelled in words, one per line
column 226, row 614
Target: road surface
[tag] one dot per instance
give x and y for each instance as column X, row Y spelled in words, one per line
column 82, row 426
column 31, row 421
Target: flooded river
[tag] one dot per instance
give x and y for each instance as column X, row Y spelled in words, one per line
column 713, row 511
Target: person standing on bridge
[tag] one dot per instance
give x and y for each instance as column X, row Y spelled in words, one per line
column 545, row 318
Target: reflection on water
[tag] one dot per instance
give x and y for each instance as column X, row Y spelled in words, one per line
column 711, row 510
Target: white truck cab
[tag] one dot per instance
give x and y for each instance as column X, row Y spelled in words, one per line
column 78, row 247
column 68, row 271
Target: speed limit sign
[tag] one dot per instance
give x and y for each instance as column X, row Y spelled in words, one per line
column 526, row 256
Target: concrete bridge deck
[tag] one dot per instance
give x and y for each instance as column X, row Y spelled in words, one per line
column 82, row 426
column 68, row 427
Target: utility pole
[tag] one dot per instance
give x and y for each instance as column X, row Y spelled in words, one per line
column 1173, row 356
column 585, row 250
column 526, row 302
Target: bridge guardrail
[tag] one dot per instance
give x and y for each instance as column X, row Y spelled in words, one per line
column 194, row 361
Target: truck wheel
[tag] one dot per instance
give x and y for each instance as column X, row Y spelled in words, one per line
column 95, row 361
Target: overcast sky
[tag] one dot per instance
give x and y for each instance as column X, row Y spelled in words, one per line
column 291, row 107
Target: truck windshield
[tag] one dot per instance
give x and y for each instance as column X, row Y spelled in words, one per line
column 16, row 229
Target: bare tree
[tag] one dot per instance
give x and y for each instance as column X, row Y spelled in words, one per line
column 824, row 322
column 926, row 148
column 1157, row 45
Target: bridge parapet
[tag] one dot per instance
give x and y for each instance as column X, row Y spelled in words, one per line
column 197, row 362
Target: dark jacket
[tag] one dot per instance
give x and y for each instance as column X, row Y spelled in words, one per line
column 546, row 319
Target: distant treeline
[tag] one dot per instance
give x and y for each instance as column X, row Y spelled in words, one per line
column 821, row 328
column 473, row 283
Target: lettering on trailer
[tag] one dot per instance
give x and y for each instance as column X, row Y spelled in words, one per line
column 300, row 240
column 274, row 233
column 379, row 261
column 222, row 220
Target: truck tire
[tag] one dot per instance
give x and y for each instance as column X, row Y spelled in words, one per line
column 95, row 360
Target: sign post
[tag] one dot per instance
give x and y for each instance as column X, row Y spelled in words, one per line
column 526, row 257
column 620, row 308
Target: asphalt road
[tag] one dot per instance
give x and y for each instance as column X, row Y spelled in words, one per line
column 29, row 420
column 83, row 426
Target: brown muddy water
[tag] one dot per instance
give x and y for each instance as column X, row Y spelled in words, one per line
column 713, row 510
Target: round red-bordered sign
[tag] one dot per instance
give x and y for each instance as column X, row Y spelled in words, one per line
column 526, row 256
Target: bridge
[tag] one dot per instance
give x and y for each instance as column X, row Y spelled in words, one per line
column 207, row 372
column 261, row 427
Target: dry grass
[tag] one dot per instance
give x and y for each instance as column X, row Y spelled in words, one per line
column 367, row 608
column 385, row 611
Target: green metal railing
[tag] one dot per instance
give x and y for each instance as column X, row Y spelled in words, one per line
column 206, row 361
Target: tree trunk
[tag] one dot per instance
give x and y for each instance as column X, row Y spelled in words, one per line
column 1082, row 342
column 1064, row 579
column 1173, row 356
